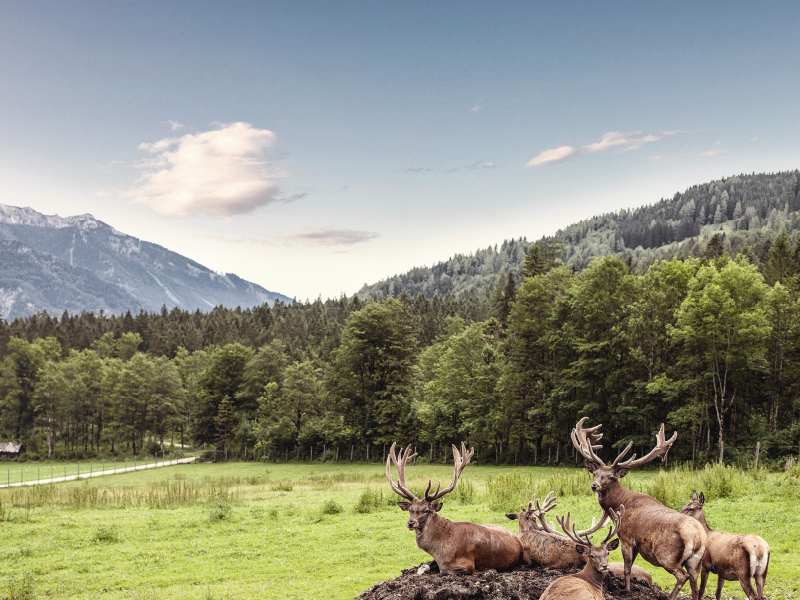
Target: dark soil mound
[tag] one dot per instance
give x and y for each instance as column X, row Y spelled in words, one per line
column 521, row 583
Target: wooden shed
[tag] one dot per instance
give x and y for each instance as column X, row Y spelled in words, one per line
column 10, row 449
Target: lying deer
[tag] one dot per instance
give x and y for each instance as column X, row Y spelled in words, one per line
column 664, row 537
column 588, row 584
column 729, row 556
column 543, row 545
column 457, row 547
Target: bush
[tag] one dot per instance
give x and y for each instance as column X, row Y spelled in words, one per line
column 369, row 501
column 507, row 492
column 220, row 507
column 105, row 535
column 19, row 587
column 674, row 488
column 464, row 493
column 331, row 507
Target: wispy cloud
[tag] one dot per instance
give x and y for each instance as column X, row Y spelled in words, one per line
column 327, row 237
column 715, row 152
column 625, row 142
column 753, row 140
column 223, row 172
column 488, row 165
column 657, row 157
column 175, row 125
column 475, row 108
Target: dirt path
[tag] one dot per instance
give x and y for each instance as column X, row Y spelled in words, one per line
column 102, row 472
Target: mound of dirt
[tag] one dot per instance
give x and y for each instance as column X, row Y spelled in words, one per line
column 521, row 583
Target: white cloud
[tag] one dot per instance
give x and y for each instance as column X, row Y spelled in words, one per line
column 488, row 165
column 549, row 157
column 715, row 152
column 613, row 139
column 753, row 140
column 175, row 125
column 327, row 237
column 657, row 156
column 223, row 172
column 475, row 108
column 717, row 143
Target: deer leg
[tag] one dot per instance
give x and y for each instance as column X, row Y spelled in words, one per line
column 760, row 585
column 629, row 556
column 720, row 583
column 465, row 568
column 703, row 580
column 747, row 586
column 680, row 578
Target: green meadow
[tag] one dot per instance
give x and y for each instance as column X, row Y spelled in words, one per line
column 250, row 530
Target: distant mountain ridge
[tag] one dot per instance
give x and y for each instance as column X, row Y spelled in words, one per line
column 748, row 209
column 116, row 272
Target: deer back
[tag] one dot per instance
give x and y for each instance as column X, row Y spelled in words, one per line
column 543, row 548
column 456, row 542
column 731, row 555
column 573, row 588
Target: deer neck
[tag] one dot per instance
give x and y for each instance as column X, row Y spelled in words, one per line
column 613, row 496
column 592, row 576
column 704, row 523
column 430, row 537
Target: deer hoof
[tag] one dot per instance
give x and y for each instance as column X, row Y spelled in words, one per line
column 423, row 569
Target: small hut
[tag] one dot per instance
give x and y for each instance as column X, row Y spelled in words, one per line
column 10, row 450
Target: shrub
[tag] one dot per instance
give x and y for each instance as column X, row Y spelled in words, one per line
column 105, row 535
column 464, row 492
column 19, row 587
column 369, row 501
column 331, row 507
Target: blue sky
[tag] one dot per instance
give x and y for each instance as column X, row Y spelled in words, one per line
column 314, row 146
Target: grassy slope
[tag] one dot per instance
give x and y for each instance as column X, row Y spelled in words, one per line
column 278, row 544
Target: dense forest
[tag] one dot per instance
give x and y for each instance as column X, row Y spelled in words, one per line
column 749, row 209
column 702, row 333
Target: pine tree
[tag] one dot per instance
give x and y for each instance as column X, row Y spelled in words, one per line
column 224, row 422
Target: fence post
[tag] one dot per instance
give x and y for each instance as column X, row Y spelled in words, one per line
column 758, row 447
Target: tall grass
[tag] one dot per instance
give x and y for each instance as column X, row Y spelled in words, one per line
column 507, row 492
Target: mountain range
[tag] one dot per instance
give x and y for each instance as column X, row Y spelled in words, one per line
column 746, row 211
column 79, row 264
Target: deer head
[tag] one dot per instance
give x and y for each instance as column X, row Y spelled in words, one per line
column 585, row 440
column 533, row 517
column 596, row 556
column 694, row 508
column 420, row 509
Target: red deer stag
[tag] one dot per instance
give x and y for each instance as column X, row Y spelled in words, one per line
column 457, row 547
column 729, row 556
column 543, row 545
column 588, row 584
column 664, row 537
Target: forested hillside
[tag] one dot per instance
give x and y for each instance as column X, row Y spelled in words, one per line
column 750, row 209
column 707, row 341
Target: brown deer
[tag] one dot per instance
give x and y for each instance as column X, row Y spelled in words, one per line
column 729, row 556
column 664, row 537
column 542, row 545
column 588, row 584
column 457, row 547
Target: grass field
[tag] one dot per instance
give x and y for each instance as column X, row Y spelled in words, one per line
column 248, row 530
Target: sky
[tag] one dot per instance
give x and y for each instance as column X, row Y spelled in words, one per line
column 312, row 147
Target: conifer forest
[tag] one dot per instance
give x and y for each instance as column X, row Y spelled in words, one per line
column 685, row 312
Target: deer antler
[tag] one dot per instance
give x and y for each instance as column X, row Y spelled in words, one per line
column 662, row 447
column 550, row 503
column 582, row 537
column 461, row 460
column 400, row 489
column 585, row 440
column 616, row 521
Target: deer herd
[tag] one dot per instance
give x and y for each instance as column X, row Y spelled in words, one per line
column 680, row 542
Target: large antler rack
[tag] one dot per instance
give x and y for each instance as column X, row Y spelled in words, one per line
column 582, row 537
column 461, row 460
column 549, row 504
column 585, row 441
column 400, row 489
column 662, row 447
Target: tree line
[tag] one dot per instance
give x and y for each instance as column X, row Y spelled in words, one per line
column 708, row 345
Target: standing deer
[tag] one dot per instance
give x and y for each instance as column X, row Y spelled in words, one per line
column 729, row 556
column 664, row 537
column 457, row 547
column 588, row 584
column 542, row 545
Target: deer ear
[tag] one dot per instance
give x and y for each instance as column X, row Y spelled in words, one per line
column 702, row 498
column 613, row 544
column 590, row 466
column 581, row 549
column 512, row 516
column 437, row 506
column 620, row 472
column 404, row 505
column 694, row 496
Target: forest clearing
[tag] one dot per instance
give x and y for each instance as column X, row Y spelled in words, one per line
column 244, row 530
